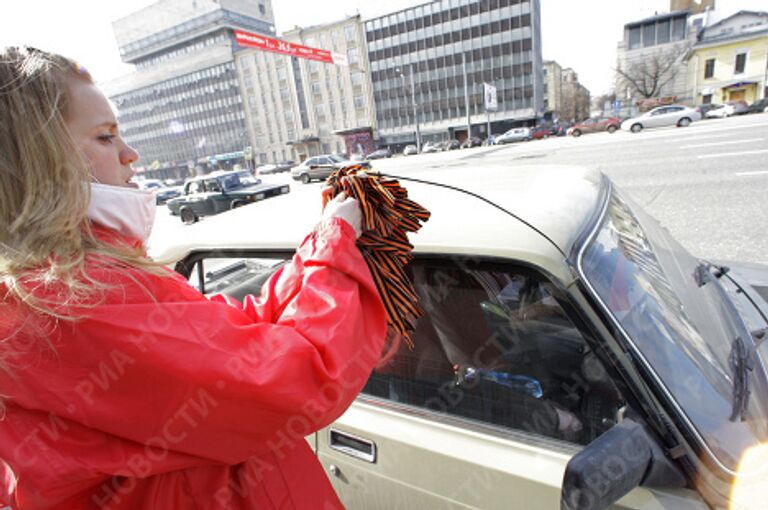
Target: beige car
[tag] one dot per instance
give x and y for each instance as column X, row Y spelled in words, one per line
column 573, row 355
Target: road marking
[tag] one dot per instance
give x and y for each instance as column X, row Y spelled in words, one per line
column 729, row 154
column 758, row 172
column 733, row 142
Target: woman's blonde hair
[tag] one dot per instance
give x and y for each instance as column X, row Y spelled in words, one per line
column 45, row 237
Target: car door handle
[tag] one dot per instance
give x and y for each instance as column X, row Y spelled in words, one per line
column 355, row 446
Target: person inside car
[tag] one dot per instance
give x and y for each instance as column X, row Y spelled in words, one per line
column 122, row 386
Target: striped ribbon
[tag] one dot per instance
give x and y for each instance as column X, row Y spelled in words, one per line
column 388, row 215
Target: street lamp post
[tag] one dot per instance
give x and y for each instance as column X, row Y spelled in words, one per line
column 414, row 105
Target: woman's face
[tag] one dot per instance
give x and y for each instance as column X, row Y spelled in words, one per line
column 93, row 125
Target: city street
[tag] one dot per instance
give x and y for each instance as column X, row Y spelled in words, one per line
column 708, row 183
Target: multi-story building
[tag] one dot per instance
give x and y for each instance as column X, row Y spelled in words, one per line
column 565, row 98
column 651, row 57
column 428, row 64
column 730, row 60
column 574, row 99
column 296, row 108
column 182, row 108
column 553, row 87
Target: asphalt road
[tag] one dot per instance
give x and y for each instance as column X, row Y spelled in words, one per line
column 707, row 183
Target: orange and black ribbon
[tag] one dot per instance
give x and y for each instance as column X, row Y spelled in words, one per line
column 388, row 215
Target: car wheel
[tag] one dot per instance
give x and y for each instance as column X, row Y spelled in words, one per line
column 238, row 203
column 636, row 128
column 612, row 128
column 576, row 133
column 188, row 216
column 684, row 122
column 305, row 178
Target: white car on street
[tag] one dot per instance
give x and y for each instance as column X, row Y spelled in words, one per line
column 670, row 115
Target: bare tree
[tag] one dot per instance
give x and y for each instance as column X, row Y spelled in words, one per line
column 648, row 76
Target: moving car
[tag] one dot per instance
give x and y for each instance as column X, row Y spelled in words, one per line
column 670, row 115
column 410, row 150
column 320, row 167
column 706, row 107
column 728, row 109
column 218, row 192
column 595, row 125
column 519, row 134
column 590, row 358
column 380, row 154
column 266, row 169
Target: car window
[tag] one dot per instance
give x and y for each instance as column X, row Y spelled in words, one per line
column 234, row 277
column 325, row 161
column 195, row 187
column 496, row 346
column 311, row 161
column 212, row 186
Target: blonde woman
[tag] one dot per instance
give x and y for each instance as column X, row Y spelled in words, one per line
column 124, row 388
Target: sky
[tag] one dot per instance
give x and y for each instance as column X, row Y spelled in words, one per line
column 581, row 34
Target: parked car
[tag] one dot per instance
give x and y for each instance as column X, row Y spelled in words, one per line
column 450, row 145
column 671, row 115
column 600, row 360
column 760, row 106
column 514, row 135
column 540, row 132
column 149, row 184
column 285, row 166
column 595, row 125
column 380, row 153
column 164, row 194
column 410, row 150
column 430, row 147
column 706, row 107
column 220, row 191
column 728, row 109
column 266, row 169
column 472, row 141
column 320, row 167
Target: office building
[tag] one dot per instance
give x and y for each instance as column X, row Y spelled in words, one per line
column 182, row 106
column 428, row 64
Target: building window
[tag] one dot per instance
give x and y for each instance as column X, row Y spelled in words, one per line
column 262, row 9
column 352, row 56
column 649, row 34
column 350, row 33
column 706, row 98
column 741, row 63
column 678, row 29
column 709, row 68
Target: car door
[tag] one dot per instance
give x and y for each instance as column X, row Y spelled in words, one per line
column 324, row 168
column 656, row 117
column 498, row 393
column 196, row 197
column 589, row 126
column 672, row 116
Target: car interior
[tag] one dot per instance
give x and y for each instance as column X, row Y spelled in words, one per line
column 494, row 346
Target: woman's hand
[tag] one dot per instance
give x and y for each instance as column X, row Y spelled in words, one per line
column 347, row 209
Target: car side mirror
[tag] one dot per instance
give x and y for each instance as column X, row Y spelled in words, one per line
column 624, row 457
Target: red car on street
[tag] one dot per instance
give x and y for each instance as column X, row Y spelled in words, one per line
column 594, row 125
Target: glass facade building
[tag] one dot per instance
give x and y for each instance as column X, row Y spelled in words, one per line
column 439, row 47
column 182, row 108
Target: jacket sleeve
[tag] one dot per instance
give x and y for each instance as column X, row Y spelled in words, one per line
column 220, row 380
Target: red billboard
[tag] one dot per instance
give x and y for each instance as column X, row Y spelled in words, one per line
column 265, row 43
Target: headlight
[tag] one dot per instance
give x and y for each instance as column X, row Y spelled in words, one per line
column 285, row 189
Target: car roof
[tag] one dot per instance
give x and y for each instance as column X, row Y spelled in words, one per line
column 557, row 200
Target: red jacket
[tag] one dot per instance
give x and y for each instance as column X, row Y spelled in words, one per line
column 163, row 399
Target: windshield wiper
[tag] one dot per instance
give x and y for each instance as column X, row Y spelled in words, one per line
column 741, row 361
column 705, row 272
